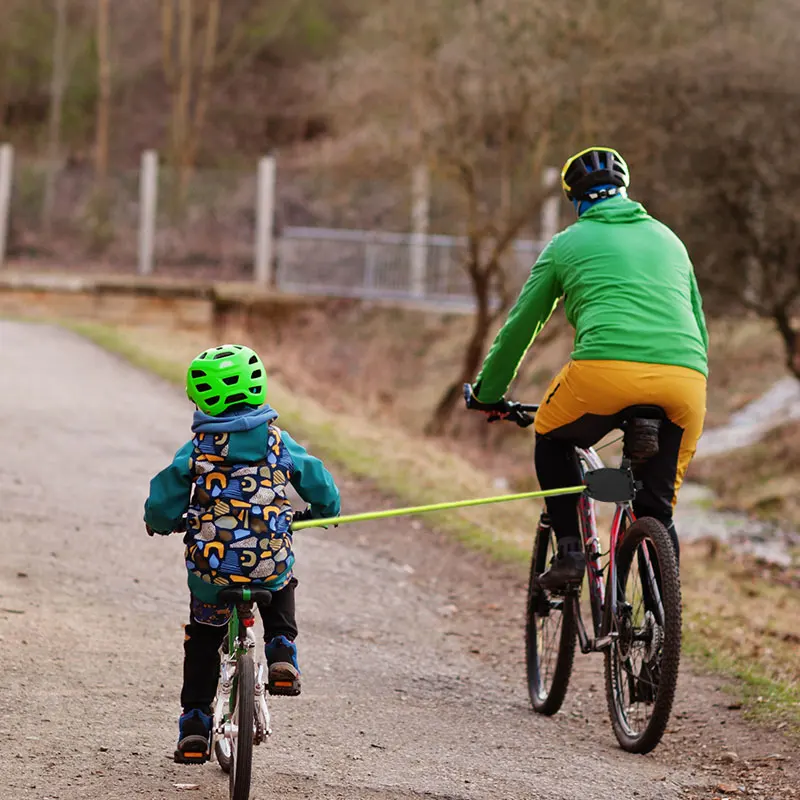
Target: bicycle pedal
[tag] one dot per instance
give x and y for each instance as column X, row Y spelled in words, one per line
column 192, row 750
column 284, row 688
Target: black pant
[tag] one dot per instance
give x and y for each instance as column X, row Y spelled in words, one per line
column 557, row 465
column 203, row 640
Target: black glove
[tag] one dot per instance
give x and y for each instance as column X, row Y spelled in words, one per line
column 494, row 411
column 501, row 410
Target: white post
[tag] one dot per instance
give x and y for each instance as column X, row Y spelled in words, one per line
column 549, row 219
column 6, row 175
column 148, row 203
column 265, row 220
column 420, row 218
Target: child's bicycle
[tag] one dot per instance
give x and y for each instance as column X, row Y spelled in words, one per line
column 637, row 624
column 241, row 715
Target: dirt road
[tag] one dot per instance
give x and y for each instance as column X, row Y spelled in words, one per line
column 413, row 682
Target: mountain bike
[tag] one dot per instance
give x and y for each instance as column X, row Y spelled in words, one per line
column 634, row 595
column 241, row 714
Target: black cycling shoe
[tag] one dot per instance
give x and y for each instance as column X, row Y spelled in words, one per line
column 566, row 568
column 194, row 742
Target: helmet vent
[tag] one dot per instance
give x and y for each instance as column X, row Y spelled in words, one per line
column 198, row 373
column 212, row 401
column 224, row 354
column 256, row 373
column 253, row 359
column 231, row 380
column 239, row 397
column 203, row 387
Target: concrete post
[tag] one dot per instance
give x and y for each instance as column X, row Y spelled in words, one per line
column 548, row 226
column 265, row 221
column 148, row 204
column 6, row 180
column 420, row 219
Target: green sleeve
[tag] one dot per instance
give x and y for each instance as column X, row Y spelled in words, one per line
column 312, row 481
column 170, row 492
column 533, row 308
column 697, row 308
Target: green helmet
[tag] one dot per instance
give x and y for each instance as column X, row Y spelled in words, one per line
column 226, row 376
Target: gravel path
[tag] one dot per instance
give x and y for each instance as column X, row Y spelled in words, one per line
column 411, row 647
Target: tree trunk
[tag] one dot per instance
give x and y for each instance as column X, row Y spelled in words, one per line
column 791, row 339
column 473, row 355
column 183, row 98
column 58, row 81
column 194, row 135
column 103, row 97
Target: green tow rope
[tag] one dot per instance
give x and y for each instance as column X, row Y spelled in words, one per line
column 401, row 512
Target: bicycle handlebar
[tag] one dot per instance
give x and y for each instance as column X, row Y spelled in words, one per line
column 504, row 410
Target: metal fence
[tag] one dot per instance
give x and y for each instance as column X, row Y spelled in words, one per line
column 382, row 265
column 302, row 229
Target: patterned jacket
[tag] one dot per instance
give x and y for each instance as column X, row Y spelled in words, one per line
column 230, row 480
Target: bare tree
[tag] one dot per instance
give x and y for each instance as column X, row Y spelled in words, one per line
column 470, row 90
column 188, row 71
column 57, row 86
column 103, row 36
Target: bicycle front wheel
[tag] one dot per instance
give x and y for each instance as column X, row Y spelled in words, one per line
column 642, row 661
column 550, row 632
column 243, row 719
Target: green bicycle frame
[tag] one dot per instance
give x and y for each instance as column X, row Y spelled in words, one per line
column 233, row 635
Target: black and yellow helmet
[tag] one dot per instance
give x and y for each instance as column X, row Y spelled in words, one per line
column 595, row 166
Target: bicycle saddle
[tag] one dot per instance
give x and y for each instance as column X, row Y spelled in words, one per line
column 643, row 412
column 235, row 594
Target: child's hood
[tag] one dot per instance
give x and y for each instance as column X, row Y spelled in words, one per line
column 234, row 420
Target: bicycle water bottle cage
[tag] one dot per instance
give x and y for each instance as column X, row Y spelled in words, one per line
column 641, row 429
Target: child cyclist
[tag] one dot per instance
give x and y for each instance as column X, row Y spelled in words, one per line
column 230, row 482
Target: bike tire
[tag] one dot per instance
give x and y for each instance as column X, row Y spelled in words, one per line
column 650, row 531
column 244, row 714
column 546, row 699
column 223, row 757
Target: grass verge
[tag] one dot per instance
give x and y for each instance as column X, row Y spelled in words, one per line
column 739, row 623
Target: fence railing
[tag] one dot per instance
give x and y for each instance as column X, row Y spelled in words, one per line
column 383, row 265
column 234, row 225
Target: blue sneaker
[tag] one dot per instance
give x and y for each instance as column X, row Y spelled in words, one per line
column 284, row 671
column 194, row 737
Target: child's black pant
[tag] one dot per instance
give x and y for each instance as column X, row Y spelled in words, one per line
column 208, row 626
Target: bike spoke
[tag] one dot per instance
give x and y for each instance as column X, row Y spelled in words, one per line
column 549, row 636
column 636, row 685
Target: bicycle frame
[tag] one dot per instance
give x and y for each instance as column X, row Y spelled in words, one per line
column 623, row 516
column 240, row 641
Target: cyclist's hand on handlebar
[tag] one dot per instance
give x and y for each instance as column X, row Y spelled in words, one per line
column 501, row 410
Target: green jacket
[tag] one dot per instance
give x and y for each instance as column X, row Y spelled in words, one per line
column 629, row 291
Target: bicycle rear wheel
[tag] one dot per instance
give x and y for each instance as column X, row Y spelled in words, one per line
column 243, row 719
column 550, row 632
column 643, row 659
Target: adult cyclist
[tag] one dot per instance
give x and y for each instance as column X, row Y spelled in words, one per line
column 640, row 339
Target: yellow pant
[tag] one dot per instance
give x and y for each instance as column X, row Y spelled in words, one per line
column 583, row 398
